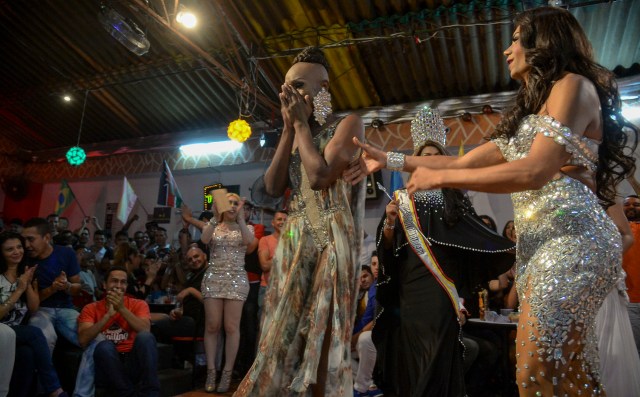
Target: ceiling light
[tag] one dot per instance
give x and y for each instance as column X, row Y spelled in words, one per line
column 186, row 18
column 200, row 149
column 269, row 139
column 67, row 98
column 631, row 112
column 124, row 30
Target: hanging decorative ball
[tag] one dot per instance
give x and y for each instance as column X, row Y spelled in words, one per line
column 76, row 156
column 239, row 130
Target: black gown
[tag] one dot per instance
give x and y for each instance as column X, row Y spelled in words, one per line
column 416, row 333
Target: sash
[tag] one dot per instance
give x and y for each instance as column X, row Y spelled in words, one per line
column 420, row 246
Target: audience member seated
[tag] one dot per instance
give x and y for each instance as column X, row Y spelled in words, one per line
column 491, row 224
column 90, row 290
column 126, row 356
column 18, row 297
column 187, row 319
column 362, row 348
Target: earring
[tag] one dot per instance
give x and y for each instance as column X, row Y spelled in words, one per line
column 322, row 106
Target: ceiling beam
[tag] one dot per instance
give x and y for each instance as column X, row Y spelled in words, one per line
column 218, row 69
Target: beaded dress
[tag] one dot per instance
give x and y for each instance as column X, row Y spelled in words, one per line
column 568, row 259
column 225, row 277
column 416, row 333
column 315, row 269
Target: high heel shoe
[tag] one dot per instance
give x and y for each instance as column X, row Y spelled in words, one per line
column 225, row 380
column 210, row 384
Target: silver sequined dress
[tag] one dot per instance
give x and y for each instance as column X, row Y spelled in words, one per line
column 568, row 258
column 225, row 277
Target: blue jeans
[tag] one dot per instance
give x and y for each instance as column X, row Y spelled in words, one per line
column 32, row 353
column 120, row 372
column 54, row 321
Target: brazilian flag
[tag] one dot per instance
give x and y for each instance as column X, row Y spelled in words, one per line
column 65, row 198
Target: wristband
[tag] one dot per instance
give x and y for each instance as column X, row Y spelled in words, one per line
column 388, row 226
column 395, row 161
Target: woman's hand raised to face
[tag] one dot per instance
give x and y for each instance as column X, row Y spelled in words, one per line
column 297, row 108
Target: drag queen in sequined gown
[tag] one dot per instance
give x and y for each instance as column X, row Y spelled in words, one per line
column 304, row 347
column 225, row 287
column 417, row 332
column 560, row 151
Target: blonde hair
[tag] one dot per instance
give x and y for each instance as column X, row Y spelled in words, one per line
column 229, row 195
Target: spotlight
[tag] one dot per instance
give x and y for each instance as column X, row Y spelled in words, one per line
column 186, row 18
column 269, row 139
column 377, row 123
column 67, row 98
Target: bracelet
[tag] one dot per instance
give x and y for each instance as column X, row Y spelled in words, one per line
column 395, row 161
column 388, row 226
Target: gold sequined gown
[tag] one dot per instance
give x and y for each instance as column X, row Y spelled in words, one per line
column 568, row 256
column 315, row 268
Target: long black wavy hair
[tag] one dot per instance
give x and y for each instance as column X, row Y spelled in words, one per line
column 555, row 44
column 4, row 236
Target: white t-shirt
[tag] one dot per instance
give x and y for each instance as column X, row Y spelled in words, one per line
column 20, row 309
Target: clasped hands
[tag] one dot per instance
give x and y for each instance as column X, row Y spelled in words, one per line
column 374, row 159
column 115, row 300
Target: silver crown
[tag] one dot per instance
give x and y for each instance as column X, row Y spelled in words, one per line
column 428, row 126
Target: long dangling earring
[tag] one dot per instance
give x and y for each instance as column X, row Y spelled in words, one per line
column 322, row 106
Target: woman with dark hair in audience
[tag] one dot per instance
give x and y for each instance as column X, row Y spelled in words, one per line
column 19, row 297
column 491, row 224
column 509, row 231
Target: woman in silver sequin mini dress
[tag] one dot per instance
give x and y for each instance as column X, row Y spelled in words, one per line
column 564, row 133
column 225, row 286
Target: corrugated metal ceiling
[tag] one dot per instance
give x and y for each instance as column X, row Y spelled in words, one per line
column 382, row 52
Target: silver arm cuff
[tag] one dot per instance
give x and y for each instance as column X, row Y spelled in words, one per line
column 395, row 161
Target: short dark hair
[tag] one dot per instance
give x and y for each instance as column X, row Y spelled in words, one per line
column 367, row 268
column 122, row 233
column 41, row 225
column 374, row 253
column 115, row 269
column 632, row 196
column 312, row 55
column 52, row 216
column 16, row 221
column 100, row 233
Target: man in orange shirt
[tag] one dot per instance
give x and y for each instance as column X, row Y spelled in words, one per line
column 631, row 265
column 266, row 250
column 126, row 354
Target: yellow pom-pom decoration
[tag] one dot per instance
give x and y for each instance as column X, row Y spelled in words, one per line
column 239, row 130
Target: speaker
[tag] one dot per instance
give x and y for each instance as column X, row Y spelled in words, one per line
column 372, row 191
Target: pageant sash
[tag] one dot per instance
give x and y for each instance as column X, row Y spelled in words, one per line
column 420, row 246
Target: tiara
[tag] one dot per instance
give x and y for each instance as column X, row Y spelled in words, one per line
column 428, row 126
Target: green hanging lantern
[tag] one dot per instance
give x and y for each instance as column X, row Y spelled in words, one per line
column 76, row 156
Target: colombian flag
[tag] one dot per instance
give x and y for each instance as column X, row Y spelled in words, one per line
column 168, row 192
column 65, row 198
